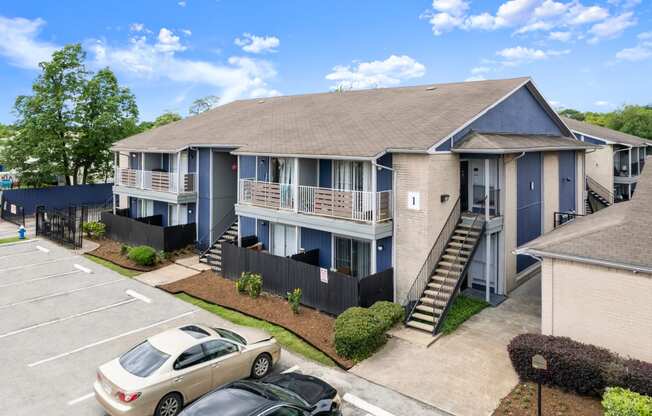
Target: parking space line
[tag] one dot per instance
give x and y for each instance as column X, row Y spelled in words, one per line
column 67, row 318
column 138, row 296
column 367, row 407
column 20, row 253
column 43, row 249
column 54, row 295
column 290, row 370
column 25, row 266
column 80, row 399
column 50, row 276
column 104, row 341
column 82, row 268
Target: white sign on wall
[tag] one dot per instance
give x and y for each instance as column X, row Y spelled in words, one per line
column 323, row 275
column 414, row 200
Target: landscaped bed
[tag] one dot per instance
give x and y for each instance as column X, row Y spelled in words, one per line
column 313, row 327
column 111, row 251
column 462, row 309
column 522, row 401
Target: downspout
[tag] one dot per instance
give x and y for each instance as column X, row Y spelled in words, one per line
column 487, row 200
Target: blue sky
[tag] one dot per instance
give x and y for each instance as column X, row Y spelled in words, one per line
column 585, row 54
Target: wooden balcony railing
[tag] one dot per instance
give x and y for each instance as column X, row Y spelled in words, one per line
column 156, row 181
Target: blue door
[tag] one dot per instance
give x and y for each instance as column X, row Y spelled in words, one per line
column 567, row 182
column 528, row 204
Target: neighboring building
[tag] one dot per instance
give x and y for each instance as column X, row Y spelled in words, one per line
column 613, row 170
column 437, row 182
column 597, row 276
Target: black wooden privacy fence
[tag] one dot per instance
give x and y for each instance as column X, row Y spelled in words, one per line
column 148, row 231
column 322, row 289
column 12, row 212
column 62, row 226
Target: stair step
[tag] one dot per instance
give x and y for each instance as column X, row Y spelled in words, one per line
column 447, row 264
column 429, row 309
column 448, row 281
column 467, row 232
column 431, row 301
column 447, row 272
column 439, row 292
column 456, row 250
column 423, row 317
column 468, row 227
column 446, row 288
column 421, row 326
column 232, row 232
column 458, row 245
column 454, row 259
column 469, row 240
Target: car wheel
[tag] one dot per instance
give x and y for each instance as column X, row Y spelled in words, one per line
column 262, row 366
column 170, row 405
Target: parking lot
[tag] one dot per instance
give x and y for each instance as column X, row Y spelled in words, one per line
column 62, row 315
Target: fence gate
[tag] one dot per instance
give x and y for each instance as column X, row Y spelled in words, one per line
column 12, row 212
column 61, row 226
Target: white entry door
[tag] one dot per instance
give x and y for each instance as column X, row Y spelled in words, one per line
column 284, row 240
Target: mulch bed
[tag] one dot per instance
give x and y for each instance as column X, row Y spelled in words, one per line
column 109, row 250
column 522, row 401
column 315, row 328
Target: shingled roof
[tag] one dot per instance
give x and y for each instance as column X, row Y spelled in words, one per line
column 616, row 236
column 600, row 132
column 362, row 123
column 493, row 143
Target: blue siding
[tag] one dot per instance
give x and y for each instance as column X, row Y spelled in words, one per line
column 133, row 207
column 192, row 162
column 247, row 226
column 316, row 239
column 384, row 176
column 161, row 208
column 567, row 181
column 528, row 203
column 384, row 257
column 204, row 202
column 247, row 167
column 263, row 233
column 325, row 173
column 165, row 162
column 263, row 168
column 135, row 160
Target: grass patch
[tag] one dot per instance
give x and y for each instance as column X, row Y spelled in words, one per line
column 114, row 267
column 11, row 240
column 463, row 308
column 286, row 338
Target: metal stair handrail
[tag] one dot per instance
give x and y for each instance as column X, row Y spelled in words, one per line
column 596, row 187
column 423, row 277
column 462, row 272
column 221, row 227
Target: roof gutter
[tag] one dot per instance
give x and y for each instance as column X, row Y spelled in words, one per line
column 587, row 260
column 520, row 150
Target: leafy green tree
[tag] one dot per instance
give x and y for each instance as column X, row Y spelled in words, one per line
column 632, row 119
column 574, row 114
column 166, row 118
column 67, row 125
column 204, row 104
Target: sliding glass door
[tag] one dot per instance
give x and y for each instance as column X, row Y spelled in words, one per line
column 282, row 172
column 352, row 257
column 284, row 240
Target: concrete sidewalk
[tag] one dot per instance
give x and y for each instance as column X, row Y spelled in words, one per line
column 165, row 275
column 467, row 372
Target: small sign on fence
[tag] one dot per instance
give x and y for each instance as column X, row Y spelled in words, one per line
column 323, row 275
column 13, row 208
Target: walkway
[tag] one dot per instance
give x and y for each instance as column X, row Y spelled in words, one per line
column 467, row 372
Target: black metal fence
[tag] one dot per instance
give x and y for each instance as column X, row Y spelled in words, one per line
column 561, row 218
column 12, row 212
column 61, row 226
column 322, row 289
column 137, row 232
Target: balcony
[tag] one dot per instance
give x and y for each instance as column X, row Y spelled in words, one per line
column 169, row 182
column 360, row 206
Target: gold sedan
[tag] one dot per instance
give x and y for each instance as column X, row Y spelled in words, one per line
column 165, row 372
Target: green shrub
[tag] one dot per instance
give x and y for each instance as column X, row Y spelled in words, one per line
column 388, row 313
column 94, row 229
column 124, row 249
column 143, row 255
column 622, row 402
column 250, row 283
column 294, row 299
column 358, row 333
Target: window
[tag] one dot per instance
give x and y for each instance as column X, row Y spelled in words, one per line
column 225, row 333
column 192, row 356
column 284, row 240
column 194, row 331
column 285, row 411
column 352, row 257
column 218, row 348
column 350, row 175
column 143, row 359
column 145, row 208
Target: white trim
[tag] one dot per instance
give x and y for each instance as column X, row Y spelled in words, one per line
column 304, row 156
column 197, row 192
column 433, row 149
column 604, row 263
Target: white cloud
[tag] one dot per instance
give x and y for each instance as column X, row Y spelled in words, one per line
column 580, row 15
column 453, row 7
column 560, row 36
column 550, row 8
column 475, row 78
column 601, row 103
column 520, row 55
column 612, row 27
column 182, row 3
column 257, row 44
column 480, row 70
column 136, row 27
column 186, row 32
column 19, row 45
column 534, row 26
column 240, row 77
column 645, row 35
column 390, row 72
column 640, row 52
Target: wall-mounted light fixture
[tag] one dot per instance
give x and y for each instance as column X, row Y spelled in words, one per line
column 380, row 247
column 444, row 198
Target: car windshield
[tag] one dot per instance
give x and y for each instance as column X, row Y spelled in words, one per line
column 284, row 395
column 230, row 335
column 143, row 359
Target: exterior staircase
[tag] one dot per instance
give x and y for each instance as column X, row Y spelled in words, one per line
column 603, row 203
column 446, row 278
column 213, row 256
column 598, row 197
column 587, row 207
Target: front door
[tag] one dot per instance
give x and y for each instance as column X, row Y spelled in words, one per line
column 567, row 188
column 464, row 185
column 528, row 204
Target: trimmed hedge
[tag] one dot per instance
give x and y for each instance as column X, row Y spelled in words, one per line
column 389, row 313
column 622, row 402
column 582, row 368
column 358, row 333
column 143, row 255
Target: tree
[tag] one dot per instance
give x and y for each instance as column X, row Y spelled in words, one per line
column 67, row 125
column 202, row 105
column 166, row 118
column 574, row 114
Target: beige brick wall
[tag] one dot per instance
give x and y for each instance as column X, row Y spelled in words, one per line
column 600, row 166
column 598, row 305
column 415, row 231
